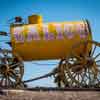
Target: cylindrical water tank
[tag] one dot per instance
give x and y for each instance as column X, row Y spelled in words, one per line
column 45, row 41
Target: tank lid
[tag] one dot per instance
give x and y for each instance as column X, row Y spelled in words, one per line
column 34, row 19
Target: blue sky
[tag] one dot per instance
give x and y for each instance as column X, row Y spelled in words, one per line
column 51, row 10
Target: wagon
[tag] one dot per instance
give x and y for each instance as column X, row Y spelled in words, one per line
column 69, row 42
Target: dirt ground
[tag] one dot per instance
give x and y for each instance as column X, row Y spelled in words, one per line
column 49, row 95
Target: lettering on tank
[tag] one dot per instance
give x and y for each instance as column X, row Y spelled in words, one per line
column 46, row 33
column 33, row 33
column 59, row 31
column 19, row 37
column 81, row 30
column 68, row 31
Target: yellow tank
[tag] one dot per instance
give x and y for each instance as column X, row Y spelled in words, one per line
column 45, row 41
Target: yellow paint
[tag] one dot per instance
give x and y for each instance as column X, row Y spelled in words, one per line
column 35, row 19
column 56, row 47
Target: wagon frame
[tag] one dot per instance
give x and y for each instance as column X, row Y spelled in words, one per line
column 73, row 71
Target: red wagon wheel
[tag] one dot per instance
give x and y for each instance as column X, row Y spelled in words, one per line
column 11, row 69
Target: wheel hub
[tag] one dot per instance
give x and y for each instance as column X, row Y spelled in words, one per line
column 90, row 62
column 86, row 63
column 5, row 69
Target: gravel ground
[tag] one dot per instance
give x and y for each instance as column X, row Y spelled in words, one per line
column 50, row 95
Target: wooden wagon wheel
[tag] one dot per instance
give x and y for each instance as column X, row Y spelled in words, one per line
column 81, row 70
column 60, row 76
column 11, row 69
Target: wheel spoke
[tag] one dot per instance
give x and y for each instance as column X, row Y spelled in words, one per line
column 15, row 65
column 97, row 61
column 13, row 69
column 6, row 81
column 10, row 82
column 89, row 76
column 93, row 51
column 97, row 55
column 1, row 81
column 14, row 76
column 98, row 65
column 82, row 80
column 98, row 81
column 74, row 75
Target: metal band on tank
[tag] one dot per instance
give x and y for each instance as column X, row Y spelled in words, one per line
column 88, row 25
column 89, row 28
